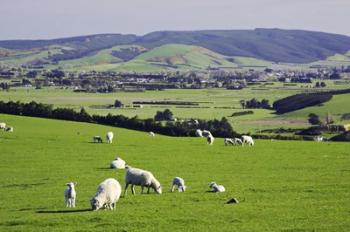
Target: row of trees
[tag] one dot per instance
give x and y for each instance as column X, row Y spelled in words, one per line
column 219, row 128
column 255, row 104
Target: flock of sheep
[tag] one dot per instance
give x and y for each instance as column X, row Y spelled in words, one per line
column 109, row 191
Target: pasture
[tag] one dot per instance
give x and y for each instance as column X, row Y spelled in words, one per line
column 213, row 103
column 281, row 185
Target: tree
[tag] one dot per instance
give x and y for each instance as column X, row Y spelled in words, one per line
column 242, row 102
column 314, row 119
column 323, row 84
column 165, row 115
column 118, row 104
column 32, row 74
column 317, row 85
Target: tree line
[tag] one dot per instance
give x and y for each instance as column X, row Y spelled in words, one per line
column 219, row 128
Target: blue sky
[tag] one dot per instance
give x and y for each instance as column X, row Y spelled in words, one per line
column 44, row 19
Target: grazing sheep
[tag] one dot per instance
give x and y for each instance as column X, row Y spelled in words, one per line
column 210, row 140
column 217, row 188
column 135, row 176
column 228, row 141
column 238, row 141
column 70, row 194
column 109, row 137
column 2, row 125
column 206, row 133
column 199, row 133
column 118, row 163
column 247, row 140
column 107, row 195
column 97, row 139
column 151, row 133
column 9, row 129
column 178, row 183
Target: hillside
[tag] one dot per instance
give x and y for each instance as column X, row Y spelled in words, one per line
column 292, row 46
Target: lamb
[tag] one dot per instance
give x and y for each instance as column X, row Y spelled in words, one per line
column 151, row 133
column 2, row 125
column 178, row 183
column 217, row 188
column 210, row 140
column 9, row 129
column 247, row 140
column 228, row 141
column 109, row 137
column 118, row 163
column 107, row 195
column 97, row 139
column 70, row 195
column 135, row 176
column 199, row 133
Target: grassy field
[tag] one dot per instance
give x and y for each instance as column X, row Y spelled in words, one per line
column 281, row 185
column 214, row 103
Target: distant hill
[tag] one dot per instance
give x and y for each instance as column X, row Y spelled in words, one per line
column 229, row 48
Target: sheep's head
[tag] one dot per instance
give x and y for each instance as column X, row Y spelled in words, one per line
column 158, row 189
column 211, row 184
column 95, row 204
column 71, row 184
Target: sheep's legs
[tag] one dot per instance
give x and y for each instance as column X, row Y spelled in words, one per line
column 148, row 190
column 173, row 188
column 126, row 187
column 133, row 189
column 142, row 187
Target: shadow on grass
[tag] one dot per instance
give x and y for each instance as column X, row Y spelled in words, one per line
column 104, row 168
column 64, row 211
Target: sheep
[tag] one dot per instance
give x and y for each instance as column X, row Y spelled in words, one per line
column 206, row 133
column 178, row 183
column 109, row 137
column 228, row 141
column 238, row 141
column 135, row 176
column 217, row 188
column 107, row 195
column 199, row 133
column 9, row 129
column 210, row 140
column 70, row 195
column 2, row 125
column 118, row 163
column 247, row 140
column 318, row 138
column 97, row 139
column 151, row 133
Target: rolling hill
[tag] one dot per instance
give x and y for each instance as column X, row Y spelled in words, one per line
column 228, row 48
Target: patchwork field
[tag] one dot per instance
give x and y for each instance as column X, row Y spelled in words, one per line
column 281, row 185
column 213, row 103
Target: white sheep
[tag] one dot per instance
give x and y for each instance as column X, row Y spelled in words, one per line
column 107, row 195
column 210, row 140
column 109, row 137
column 217, row 188
column 228, row 141
column 199, row 133
column 238, row 141
column 9, row 129
column 178, row 183
column 135, row 176
column 206, row 133
column 247, row 140
column 118, row 163
column 70, row 195
column 151, row 133
column 2, row 125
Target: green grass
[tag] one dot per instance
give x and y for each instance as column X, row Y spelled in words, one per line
column 281, row 185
